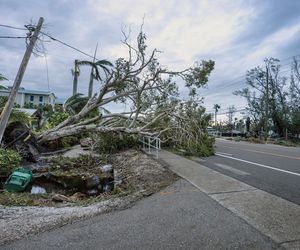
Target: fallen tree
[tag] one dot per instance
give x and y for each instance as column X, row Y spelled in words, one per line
column 140, row 82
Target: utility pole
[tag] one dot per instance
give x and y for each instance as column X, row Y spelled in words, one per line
column 76, row 74
column 216, row 107
column 267, row 106
column 12, row 96
column 92, row 75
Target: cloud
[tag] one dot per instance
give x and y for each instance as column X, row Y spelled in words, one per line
column 238, row 35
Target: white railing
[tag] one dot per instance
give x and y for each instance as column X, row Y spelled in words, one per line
column 150, row 143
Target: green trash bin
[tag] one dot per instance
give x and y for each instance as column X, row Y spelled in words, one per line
column 19, row 180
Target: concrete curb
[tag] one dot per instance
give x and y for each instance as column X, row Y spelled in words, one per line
column 273, row 216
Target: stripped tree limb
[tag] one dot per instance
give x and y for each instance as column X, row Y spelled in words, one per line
column 144, row 86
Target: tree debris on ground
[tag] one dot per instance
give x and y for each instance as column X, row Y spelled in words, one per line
column 87, row 179
column 138, row 175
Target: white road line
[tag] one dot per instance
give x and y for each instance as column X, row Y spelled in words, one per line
column 231, row 169
column 258, row 164
column 225, row 153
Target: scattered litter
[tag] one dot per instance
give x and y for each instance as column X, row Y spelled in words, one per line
column 107, row 168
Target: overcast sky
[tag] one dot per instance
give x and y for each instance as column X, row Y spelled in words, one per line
column 237, row 35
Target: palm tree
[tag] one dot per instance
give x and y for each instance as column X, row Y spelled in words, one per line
column 216, row 108
column 92, row 76
column 75, row 103
column 95, row 73
column 2, row 78
column 103, row 64
column 15, row 115
column 75, row 73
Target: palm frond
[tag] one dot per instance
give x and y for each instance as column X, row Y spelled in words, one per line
column 104, row 68
column 2, row 78
column 75, row 103
column 20, row 116
column 89, row 63
column 104, row 62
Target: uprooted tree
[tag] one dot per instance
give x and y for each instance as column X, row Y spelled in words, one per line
column 148, row 90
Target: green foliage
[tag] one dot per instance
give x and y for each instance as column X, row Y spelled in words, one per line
column 9, row 160
column 75, row 103
column 19, row 116
column 103, row 64
column 45, row 110
column 2, row 78
column 15, row 115
column 198, row 75
column 69, row 141
column 148, row 89
column 17, row 199
column 267, row 89
column 113, row 142
column 187, row 130
column 3, row 100
column 56, row 118
column 203, row 148
column 116, row 191
column 295, row 121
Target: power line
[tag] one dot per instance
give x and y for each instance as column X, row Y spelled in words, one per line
column 47, row 71
column 68, row 45
column 51, row 37
column 222, row 110
column 233, row 83
column 12, row 27
column 13, row 37
column 235, row 111
column 242, row 82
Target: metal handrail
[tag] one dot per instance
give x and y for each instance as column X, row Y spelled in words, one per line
column 151, row 142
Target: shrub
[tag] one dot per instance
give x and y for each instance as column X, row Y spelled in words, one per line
column 9, row 160
column 204, row 148
column 255, row 140
column 114, row 142
column 56, row 118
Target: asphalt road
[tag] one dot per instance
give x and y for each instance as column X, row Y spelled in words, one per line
column 272, row 168
column 179, row 217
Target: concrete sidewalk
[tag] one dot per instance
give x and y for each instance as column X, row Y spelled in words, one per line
column 186, row 215
column 273, row 216
column 178, row 217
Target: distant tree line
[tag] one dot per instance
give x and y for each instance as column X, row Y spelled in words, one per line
column 273, row 99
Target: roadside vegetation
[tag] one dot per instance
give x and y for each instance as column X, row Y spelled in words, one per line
column 274, row 100
column 149, row 90
column 154, row 109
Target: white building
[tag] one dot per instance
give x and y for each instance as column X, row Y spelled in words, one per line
column 33, row 97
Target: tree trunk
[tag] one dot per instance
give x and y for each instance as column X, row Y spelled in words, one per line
column 91, row 83
column 90, row 93
column 75, row 84
column 75, row 80
column 11, row 100
column 75, row 130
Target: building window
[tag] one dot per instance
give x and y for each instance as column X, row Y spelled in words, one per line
column 41, row 98
column 31, row 98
